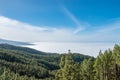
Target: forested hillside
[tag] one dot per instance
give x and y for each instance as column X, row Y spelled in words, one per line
column 22, row 63
column 105, row 67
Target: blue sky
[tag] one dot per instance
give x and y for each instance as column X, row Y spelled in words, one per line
column 51, row 13
column 60, row 20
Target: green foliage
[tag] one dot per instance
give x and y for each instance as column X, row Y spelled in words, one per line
column 21, row 63
column 68, row 68
column 87, row 72
column 105, row 67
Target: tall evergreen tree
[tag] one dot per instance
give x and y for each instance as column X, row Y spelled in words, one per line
column 87, row 72
column 67, row 70
column 116, row 56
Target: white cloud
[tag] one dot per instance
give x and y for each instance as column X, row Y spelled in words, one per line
column 16, row 30
column 62, row 47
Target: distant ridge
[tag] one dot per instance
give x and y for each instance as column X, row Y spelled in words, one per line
column 17, row 43
column 19, row 48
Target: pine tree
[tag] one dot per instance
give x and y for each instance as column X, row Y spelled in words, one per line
column 98, row 67
column 87, row 69
column 116, row 56
column 67, row 69
column 104, row 66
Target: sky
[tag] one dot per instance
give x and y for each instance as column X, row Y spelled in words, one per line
column 61, row 21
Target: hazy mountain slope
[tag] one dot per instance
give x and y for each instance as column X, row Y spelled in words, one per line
column 24, row 49
column 3, row 41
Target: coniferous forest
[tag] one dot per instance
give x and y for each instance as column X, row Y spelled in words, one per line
column 22, row 63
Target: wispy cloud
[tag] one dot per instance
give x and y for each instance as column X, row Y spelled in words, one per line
column 112, row 26
column 108, row 32
column 79, row 25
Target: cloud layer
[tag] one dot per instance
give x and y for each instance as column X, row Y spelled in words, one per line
column 16, row 30
column 91, row 49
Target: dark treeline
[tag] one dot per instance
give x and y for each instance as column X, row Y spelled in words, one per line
column 21, row 63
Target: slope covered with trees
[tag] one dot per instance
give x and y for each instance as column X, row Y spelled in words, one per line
column 105, row 67
column 22, row 63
